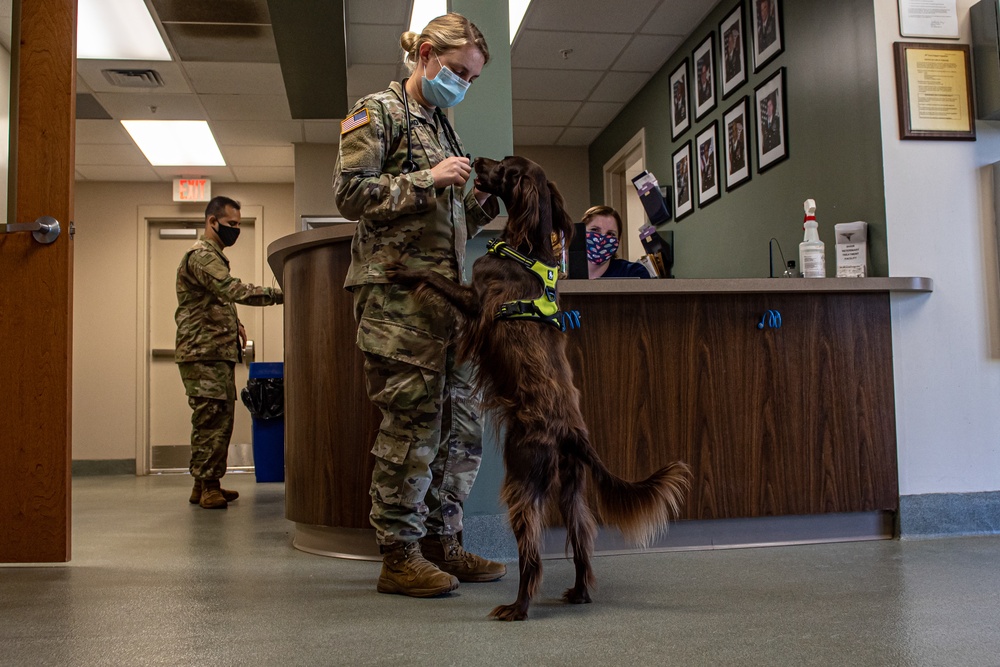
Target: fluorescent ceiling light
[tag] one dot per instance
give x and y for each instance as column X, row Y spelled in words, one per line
column 175, row 143
column 117, row 30
column 517, row 10
column 425, row 10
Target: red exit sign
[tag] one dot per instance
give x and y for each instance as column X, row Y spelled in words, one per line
column 192, row 189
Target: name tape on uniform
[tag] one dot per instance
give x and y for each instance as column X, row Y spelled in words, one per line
column 355, row 121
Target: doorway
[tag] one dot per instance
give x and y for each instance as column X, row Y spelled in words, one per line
column 620, row 193
column 168, row 416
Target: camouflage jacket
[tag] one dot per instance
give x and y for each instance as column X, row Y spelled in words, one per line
column 207, row 324
column 401, row 214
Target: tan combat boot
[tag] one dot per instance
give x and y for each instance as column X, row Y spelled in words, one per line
column 211, row 495
column 406, row 572
column 195, row 498
column 447, row 553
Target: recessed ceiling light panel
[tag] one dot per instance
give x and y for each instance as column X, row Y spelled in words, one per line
column 176, row 143
column 117, row 30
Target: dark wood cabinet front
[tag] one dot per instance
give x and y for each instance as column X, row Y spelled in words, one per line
column 773, row 420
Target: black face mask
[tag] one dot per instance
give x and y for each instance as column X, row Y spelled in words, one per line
column 227, row 235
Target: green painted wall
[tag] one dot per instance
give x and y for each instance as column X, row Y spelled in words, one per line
column 835, row 148
column 484, row 121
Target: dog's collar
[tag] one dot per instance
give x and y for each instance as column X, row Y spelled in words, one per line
column 544, row 308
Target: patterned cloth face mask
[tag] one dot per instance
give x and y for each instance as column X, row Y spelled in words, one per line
column 601, row 247
column 446, row 89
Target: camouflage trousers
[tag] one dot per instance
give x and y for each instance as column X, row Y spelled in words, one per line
column 429, row 446
column 211, row 390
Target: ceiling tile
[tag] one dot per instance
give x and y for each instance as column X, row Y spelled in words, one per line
column 538, row 49
column 101, row 132
column 578, row 136
column 322, row 131
column 137, row 107
column 257, row 132
column 677, row 17
column 589, row 15
column 246, row 107
column 91, row 72
column 386, row 13
column 87, row 106
column 110, row 154
column 647, row 53
column 236, row 78
column 552, row 84
column 220, row 174
column 271, row 156
column 227, row 11
column 374, row 45
column 596, row 114
column 364, row 79
column 265, row 174
column 81, row 84
column 222, row 43
column 618, row 87
column 542, row 114
column 123, row 174
column 536, row 136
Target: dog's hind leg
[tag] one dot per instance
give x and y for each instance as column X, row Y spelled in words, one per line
column 581, row 528
column 529, row 473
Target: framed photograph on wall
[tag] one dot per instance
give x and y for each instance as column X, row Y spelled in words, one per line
column 734, row 55
column 706, row 150
column 704, row 77
column 680, row 117
column 683, row 196
column 768, row 38
column 736, row 144
column 772, row 121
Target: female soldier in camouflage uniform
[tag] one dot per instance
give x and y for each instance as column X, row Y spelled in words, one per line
column 401, row 173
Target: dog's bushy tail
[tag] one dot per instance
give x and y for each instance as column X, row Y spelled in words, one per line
column 640, row 510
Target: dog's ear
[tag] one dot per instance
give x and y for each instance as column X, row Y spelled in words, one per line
column 523, row 209
column 561, row 222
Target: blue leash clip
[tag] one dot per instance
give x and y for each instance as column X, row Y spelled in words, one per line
column 771, row 318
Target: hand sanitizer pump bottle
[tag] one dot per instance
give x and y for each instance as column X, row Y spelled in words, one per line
column 812, row 254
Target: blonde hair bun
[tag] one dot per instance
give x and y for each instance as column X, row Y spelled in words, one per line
column 408, row 40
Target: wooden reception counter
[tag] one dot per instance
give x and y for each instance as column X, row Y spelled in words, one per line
column 777, row 392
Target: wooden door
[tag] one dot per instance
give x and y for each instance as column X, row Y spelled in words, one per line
column 36, row 289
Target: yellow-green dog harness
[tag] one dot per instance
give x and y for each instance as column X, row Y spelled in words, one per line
column 544, row 308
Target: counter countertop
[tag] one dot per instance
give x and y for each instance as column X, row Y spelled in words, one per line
column 279, row 250
column 744, row 285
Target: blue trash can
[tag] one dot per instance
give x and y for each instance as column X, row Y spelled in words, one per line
column 264, row 396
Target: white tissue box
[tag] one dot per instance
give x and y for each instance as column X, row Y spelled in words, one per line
column 852, row 249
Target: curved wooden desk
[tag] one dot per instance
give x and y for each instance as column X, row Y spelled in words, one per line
column 329, row 421
column 786, row 422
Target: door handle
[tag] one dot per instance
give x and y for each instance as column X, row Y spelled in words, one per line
column 248, row 353
column 45, row 229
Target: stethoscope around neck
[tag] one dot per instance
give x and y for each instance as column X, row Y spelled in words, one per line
column 409, row 165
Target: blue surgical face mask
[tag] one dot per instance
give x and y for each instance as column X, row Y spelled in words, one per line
column 446, row 89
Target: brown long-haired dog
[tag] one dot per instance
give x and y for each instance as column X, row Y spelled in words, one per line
column 526, row 378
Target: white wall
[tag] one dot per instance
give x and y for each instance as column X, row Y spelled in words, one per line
column 569, row 168
column 106, row 275
column 940, row 223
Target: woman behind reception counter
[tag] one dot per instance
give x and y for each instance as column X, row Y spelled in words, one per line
column 603, row 227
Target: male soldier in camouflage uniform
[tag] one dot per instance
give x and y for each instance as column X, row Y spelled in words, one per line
column 209, row 343
column 429, row 446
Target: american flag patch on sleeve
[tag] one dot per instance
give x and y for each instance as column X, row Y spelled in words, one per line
column 355, row 121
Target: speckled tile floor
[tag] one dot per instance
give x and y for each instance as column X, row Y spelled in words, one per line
column 156, row 581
